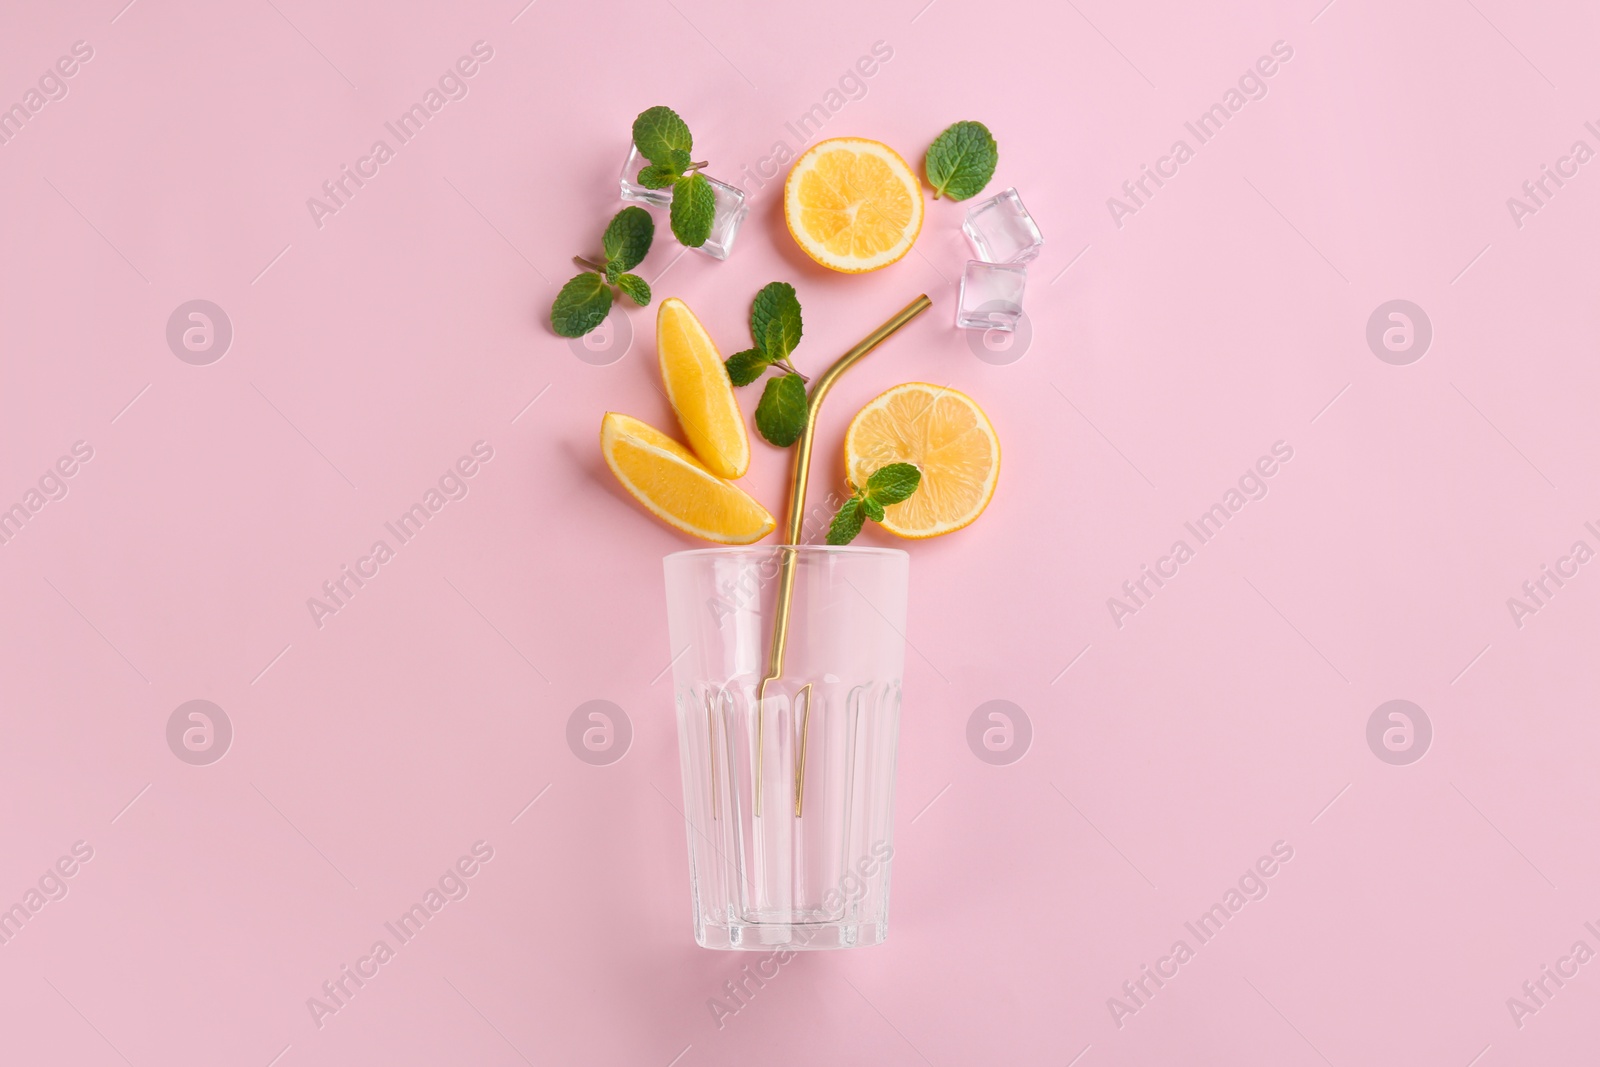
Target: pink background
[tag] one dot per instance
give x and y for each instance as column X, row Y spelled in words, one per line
column 1167, row 354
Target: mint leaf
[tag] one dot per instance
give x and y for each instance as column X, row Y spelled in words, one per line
column 961, row 161
column 658, row 176
column 846, row 524
column 677, row 159
column 637, row 288
column 892, row 484
column 659, row 130
column 781, row 412
column 612, row 272
column 770, row 342
column 887, row 485
column 628, row 237
column 745, row 367
column 694, row 207
column 581, row 305
column 776, row 307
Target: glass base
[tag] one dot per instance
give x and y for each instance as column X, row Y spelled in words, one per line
column 796, row 937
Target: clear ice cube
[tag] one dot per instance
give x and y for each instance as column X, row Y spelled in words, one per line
column 991, row 296
column 730, row 213
column 1001, row 230
column 629, row 180
column 731, row 210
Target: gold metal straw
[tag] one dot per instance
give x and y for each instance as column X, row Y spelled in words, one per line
column 800, row 473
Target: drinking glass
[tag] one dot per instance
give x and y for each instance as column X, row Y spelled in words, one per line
column 788, row 801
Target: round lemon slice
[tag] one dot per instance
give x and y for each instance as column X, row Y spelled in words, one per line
column 949, row 438
column 853, row 205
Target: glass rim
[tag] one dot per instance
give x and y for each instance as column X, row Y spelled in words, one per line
column 842, row 550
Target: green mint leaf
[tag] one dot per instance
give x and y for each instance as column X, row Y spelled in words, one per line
column 637, row 288
column 745, row 367
column 872, row 509
column 770, row 342
column 658, row 131
column 846, row 524
column 678, row 160
column 581, row 305
column 776, row 306
column 781, row 412
column 613, row 271
column 961, row 161
column 892, row 484
column 628, row 237
column 658, row 175
column 694, row 207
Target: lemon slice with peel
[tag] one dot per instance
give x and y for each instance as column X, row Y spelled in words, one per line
column 667, row 479
column 949, row 438
column 699, row 391
column 853, row 205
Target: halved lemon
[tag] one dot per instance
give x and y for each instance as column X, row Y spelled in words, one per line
column 852, row 204
column 947, row 435
column 700, row 392
column 662, row 475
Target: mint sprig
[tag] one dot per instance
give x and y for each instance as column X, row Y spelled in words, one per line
column 887, row 485
column 664, row 139
column 583, row 303
column 775, row 327
column 961, row 161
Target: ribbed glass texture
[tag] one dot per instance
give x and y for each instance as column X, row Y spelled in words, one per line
column 810, row 868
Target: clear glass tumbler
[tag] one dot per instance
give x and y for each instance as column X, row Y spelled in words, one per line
column 789, row 801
